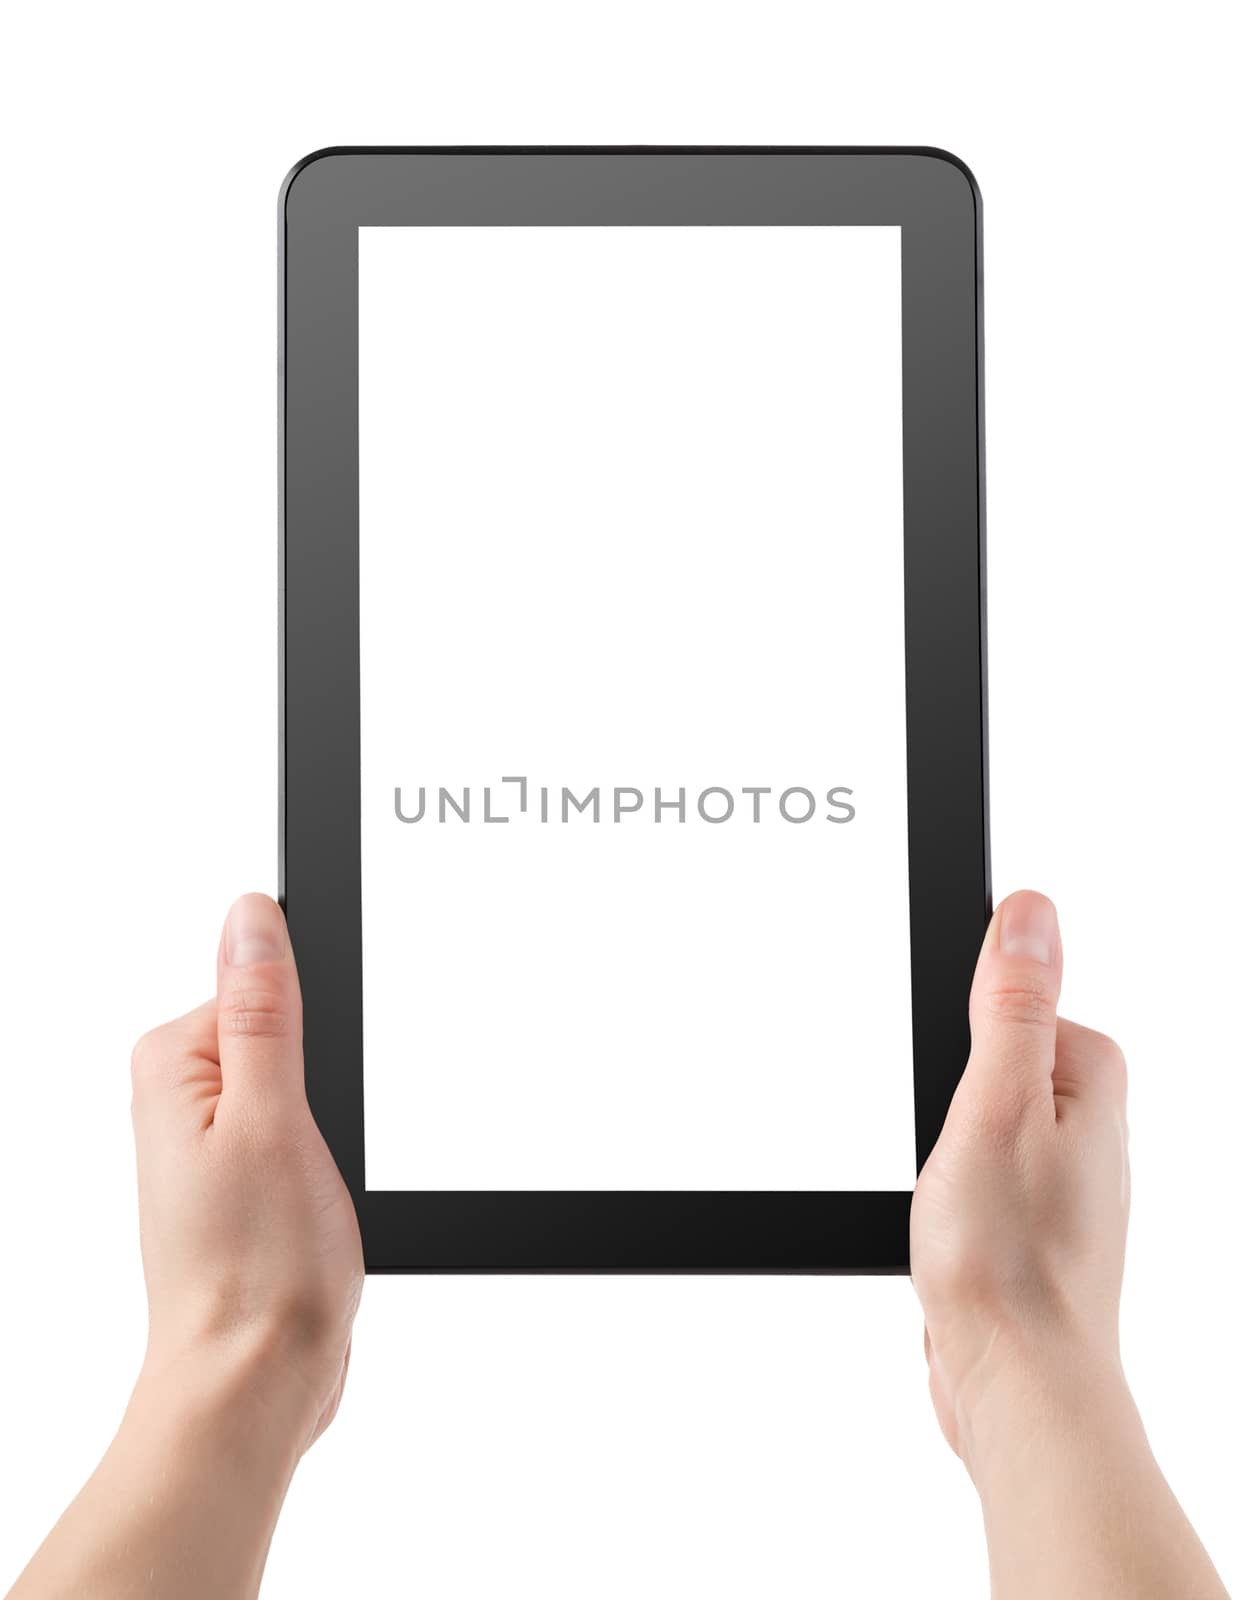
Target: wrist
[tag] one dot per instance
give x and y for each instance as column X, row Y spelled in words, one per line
column 190, row 1488
column 1022, row 1407
column 238, row 1395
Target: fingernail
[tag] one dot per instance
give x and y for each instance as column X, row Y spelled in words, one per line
column 1029, row 928
column 254, row 932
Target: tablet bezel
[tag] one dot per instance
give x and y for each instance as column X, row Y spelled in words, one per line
column 323, row 202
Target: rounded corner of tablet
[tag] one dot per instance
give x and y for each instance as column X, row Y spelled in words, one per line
column 316, row 161
column 955, row 170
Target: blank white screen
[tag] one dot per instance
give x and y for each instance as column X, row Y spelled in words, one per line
column 631, row 516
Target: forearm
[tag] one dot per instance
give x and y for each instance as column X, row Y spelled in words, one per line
column 185, row 1500
column 1075, row 1506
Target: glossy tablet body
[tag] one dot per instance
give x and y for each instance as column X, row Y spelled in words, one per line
column 633, row 736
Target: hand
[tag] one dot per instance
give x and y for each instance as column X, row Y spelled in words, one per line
column 254, row 1269
column 249, row 1241
column 1017, row 1236
column 1017, row 1241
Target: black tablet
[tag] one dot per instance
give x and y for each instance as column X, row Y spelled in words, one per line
column 633, row 784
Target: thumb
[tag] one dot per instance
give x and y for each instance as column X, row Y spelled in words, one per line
column 1013, row 1005
column 259, row 1003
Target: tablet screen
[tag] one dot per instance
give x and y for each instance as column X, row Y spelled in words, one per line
column 635, row 895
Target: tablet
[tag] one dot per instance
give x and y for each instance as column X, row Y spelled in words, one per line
column 633, row 784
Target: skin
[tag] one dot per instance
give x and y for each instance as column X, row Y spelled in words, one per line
column 254, row 1270
column 1017, row 1242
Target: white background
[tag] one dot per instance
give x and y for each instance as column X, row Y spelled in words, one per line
column 631, row 514
column 560, row 1438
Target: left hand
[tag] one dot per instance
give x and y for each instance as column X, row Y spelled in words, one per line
column 250, row 1244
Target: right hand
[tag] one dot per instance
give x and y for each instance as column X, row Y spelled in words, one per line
column 1017, row 1235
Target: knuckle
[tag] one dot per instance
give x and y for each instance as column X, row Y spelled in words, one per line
column 148, row 1055
column 253, row 1011
column 1026, row 1000
column 1110, row 1055
column 1110, row 1067
column 1090, row 1054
